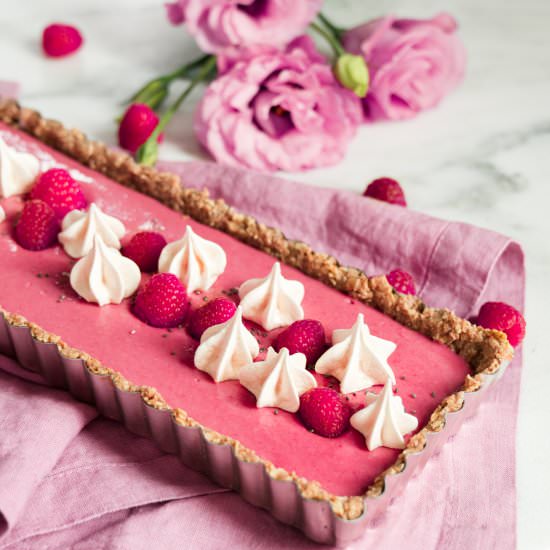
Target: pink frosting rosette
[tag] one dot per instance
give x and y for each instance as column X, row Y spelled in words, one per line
column 273, row 109
column 412, row 63
column 217, row 24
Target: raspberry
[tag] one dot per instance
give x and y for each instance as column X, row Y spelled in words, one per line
column 60, row 40
column 60, row 191
column 507, row 319
column 144, row 249
column 324, row 411
column 214, row 313
column 162, row 302
column 387, row 190
column 38, row 227
column 307, row 337
column 136, row 126
column 401, row 281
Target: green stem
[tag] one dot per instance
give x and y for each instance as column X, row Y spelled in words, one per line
column 336, row 31
column 209, row 64
column 147, row 153
column 148, row 90
column 329, row 37
column 184, row 70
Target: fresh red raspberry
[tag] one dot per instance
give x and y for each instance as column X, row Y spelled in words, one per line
column 37, row 227
column 501, row 316
column 401, row 281
column 144, row 248
column 213, row 313
column 60, row 191
column 387, row 190
column 324, row 411
column 60, row 40
column 136, row 126
column 307, row 337
column 162, row 302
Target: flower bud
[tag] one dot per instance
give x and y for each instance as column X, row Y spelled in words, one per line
column 352, row 72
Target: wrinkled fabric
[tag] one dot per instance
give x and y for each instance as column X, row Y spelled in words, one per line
column 218, row 24
column 69, row 479
column 413, row 63
column 276, row 109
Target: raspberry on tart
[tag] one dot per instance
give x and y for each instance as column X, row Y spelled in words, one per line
column 216, row 312
column 37, row 227
column 162, row 302
column 306, row 336
column 325, row 412
column 144, row 248
column 57, row 188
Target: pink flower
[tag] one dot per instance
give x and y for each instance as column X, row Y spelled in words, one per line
column 412, row 63
column 217, row 24
column 277, row 110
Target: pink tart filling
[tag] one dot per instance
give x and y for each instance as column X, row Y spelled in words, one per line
column 36, row 285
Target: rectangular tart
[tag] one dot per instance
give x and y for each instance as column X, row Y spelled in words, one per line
column 144, row 376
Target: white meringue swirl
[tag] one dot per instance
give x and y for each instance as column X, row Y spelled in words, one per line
column 357, row 358
column 104, row 275
column 226, row 348
column 80, row 227
column 384, row 422
column 196, row 261
column 279, row 380
column 272, row 301
column 18, row 170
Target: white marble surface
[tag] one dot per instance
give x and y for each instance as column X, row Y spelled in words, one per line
column 482, row 157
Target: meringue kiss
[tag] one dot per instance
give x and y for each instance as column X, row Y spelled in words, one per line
column 273, row 301
column 357, row 358
column 197, row 262
column 225, row 348
column 104, row 275
column 384, row 422
column 18, row 170
column 79, row 229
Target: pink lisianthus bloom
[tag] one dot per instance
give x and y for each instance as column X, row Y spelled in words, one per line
column 274, row 109
column 412, row 63
column 217, row 24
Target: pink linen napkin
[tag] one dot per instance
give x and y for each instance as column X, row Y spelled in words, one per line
column 71, row 479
